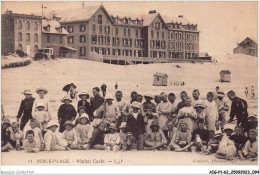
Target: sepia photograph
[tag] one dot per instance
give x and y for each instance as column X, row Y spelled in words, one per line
column 129, row 83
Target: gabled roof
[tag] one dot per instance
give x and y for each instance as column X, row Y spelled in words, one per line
column 79, row 14
column 178, row 20
column 160, row 74
column 54, row 26
column 255, row 41
column 148, row 18
column 225, row 72
column 203, row 54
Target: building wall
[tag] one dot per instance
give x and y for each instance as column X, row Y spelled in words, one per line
column 27, row 28
column 7, row 34
column 251, row 49
column 54, row 41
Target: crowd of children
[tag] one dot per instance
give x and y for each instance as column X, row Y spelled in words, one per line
column 111, row 124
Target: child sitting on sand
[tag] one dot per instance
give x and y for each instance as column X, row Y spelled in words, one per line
column 155, row 138
column 251, row 148
column 7, row 135
column 183, row 137
column 226, row 148
column 31, row 145
column 213, row 142
column 126, row 138
column 18, row 136
column 70, row 136
column 84, row 130
column 51, row 140
column 112, row 140
column 240, row 140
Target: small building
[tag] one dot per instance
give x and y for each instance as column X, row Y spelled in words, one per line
column 204, row 56
column 247, row 47
column 160, row 79
column 225, row 76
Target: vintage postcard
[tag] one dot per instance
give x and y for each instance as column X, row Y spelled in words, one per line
column 129, row 83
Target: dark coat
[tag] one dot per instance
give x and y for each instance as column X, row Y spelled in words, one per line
column 25, row 109
column 239, row 140
column 239, row 110
column 203, row 133
column 135, row 126
column 66, row 112
column 95, row 103
column 86, row 105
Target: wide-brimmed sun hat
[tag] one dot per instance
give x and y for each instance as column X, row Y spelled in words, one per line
column 123, row 125
column 83, row 93
column 6, row 121
column 200, row 105
column 52, row 123
column 148, row 96
column 68, row 123
column 113, row 126
column 136, row 104
column 27, row 92
column 66, row 98
column 41, row 89
column 229, row 126
column 84, row 115
column 155, row 123
column 252, row 115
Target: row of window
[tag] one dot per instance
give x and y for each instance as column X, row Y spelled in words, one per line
column 20, row 47
column 28, row 25
column 175, row 54
column 178, row 36
column 157, row 44
column 28, row 37
column 157, row 54
column 179, row 46
column 157, row 34
column 116, row 52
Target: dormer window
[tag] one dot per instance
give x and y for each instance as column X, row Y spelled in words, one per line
column 126, row 21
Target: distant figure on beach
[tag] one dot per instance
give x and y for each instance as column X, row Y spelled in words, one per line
column 104, row 89
column 252, row 92
column 246, row 92
column 116, row 85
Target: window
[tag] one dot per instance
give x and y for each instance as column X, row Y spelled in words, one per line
column 157, row 25
column 180, row 36
column 94, row 39
column 152, row 44
column 171, row 35
column 158, row 78
column 70, row 39
column 107, row 30
column 20, row 47
column 158, row 43
column 176, row 45
column 187, row 46
column 70, row 29
column 180, row 46
column 116, row 31
column 191, row 36
column 136, row 33
column 20, row 36
column 176, row 36
column 157, row 35
column 99, row 19
column 100, row 39
column 187, row 36
column 82, row 27
column 142, row 34
column 163, row 44
column 195, row 37
column 129, row 32
column 93, row 28
column 82, row 38
column 20, row 25
column 191, row 46
column 163, row 35
column 35, row 48
column 107, row 40
column 100, row 29
column 35, row 37
column 28, row 25
column 27, row 37
column 35, row 26
column 48, row 38
column 142, row 43
column 152, row 34
column 152, row 25
column 82, row 51
column 124, row 32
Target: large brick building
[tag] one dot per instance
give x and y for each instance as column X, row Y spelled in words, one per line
column 150, row 36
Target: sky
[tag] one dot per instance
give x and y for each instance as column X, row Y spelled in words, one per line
column 221, row 24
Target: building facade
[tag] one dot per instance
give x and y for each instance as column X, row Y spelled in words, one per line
column 20, row 32
column 247, row 47
column 147, row 36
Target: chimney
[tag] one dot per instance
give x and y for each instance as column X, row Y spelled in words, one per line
column 180, row 16
column 152, row 11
